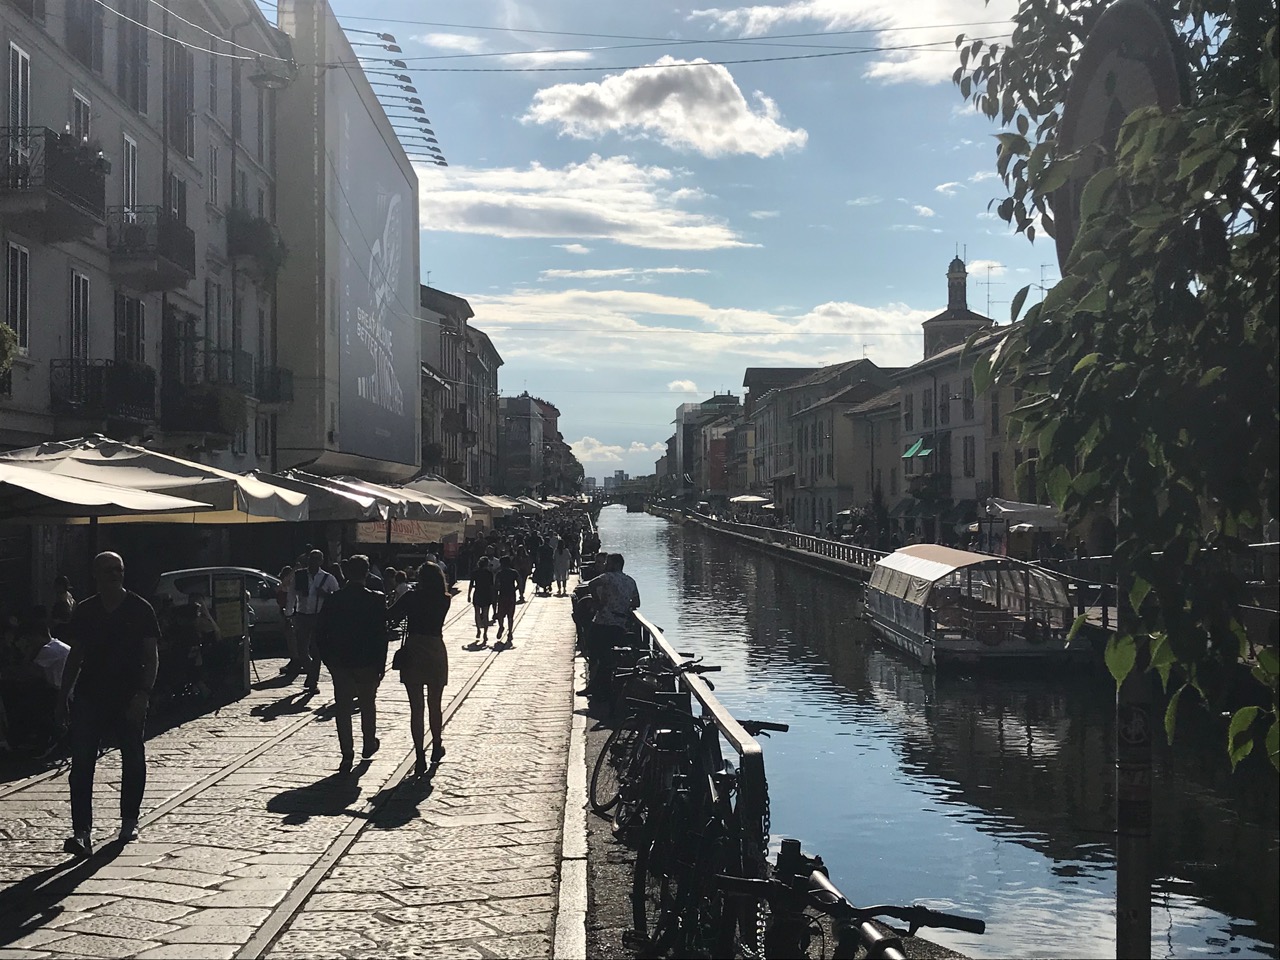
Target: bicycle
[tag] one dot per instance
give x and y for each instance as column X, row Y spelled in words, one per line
column 800, row 884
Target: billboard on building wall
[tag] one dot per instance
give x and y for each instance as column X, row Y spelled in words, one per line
column 373, row 205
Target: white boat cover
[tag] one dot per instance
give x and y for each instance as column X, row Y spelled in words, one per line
column 912, row 572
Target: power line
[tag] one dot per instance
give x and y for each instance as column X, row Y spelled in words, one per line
column 164, row 36
column 215, row 36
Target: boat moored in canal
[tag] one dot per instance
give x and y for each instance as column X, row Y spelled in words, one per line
column 944, row 606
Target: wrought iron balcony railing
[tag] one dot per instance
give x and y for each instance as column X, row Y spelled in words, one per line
column 103, row 390
column 930, row 486
column 36, row 159
column 148, row 240
column 232, row 368
column 275, row 385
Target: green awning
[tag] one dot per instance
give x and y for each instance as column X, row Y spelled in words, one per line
column 924, row 451
column 914, row 449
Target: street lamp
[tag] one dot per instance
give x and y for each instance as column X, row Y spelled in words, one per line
column 389, row 47
column 384, row 37
column 403, row 78
column 399, row 64
column 407, row 88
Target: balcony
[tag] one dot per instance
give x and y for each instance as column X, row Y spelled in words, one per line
column 209, row 408
column 930, row 486
column 103, row 390
column 30, row 8
column 274, row 386
column 150, row 250
column 256, row 240
column 229, row 368
column 51, row 186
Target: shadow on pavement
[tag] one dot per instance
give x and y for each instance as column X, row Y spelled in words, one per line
column 32, row 903
column 398, row 805
column 330, row 797
column 298, row 702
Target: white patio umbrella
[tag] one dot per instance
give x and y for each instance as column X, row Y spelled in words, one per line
column 39, row 496
column 234, row 499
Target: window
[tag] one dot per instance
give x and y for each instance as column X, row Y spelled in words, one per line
column 81, row 117
column 966, row 394
column 944, row 404
column 131, row 53
column 908, row 463
column 18, row 294
column 262, row 203
column 78, row 332
column 129, row 176
column 84, row 32
column 908, row 412
column 236, row 107
column 997, row 488
column 131, row 329
column 240, row 442
column 19, row 89
column 213, row 75
column 893, row 481
column 830, row 466
column 176, row 199
column 214, row 159
column 969, row 456
column 197, row 585
column 995, row 411
column 926, row 409
column 213, row 314
column 262, row 125
column 241, row 199
column 1031, row 489
column 180, row 70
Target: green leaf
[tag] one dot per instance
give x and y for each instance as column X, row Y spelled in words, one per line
column 1095, row 192
column 1054, row 177
column 1239, row 739
column 1058, row 483
column 1121, row 655
column 1211, row 375
column 982, row 376
column 1138, row 592
column 1085, row 362
column 1019, row 299
column 1013, row 143
column 1171, row 713
column 1269, row 661
column 1096, row 299
column 1273, row 744
column 1076, row 626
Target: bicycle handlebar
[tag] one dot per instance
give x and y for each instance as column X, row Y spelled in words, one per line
column 754, row 727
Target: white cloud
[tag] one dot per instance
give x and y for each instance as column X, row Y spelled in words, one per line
column 591, row 450
column 638, row 447
column 947, row 189
column 920, row 65
column 980, row 267
column 637, row 329
column 572, row 248
column 863, row 201
column 922, row 211
column 913, row 228
column 764, row 214
column 601, row 274
column 984, row 175
column 682, row 386
column 546, row 58
column 698, row 108
column 599, row 199
column 461, row 42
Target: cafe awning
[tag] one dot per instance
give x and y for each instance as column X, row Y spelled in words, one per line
column 234, row 498
column 40, row 496
column 913, row 449
column 329, row 503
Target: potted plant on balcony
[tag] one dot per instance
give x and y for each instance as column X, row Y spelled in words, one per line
column 256, row 238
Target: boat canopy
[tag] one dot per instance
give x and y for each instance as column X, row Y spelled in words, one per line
column 911, row 574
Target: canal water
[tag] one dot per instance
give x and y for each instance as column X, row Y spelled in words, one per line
column 988, row 796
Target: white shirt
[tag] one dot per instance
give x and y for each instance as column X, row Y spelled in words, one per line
column 50, row 661
column 319, row 585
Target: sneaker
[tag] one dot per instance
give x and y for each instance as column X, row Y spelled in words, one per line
column 371, row 747
column 128, row 831
column 78, row 845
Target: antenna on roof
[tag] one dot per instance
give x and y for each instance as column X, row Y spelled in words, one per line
column 989, row 282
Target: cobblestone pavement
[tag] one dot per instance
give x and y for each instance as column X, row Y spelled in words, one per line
column 252, row 845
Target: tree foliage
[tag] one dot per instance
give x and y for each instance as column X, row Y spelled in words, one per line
column 8, row 347
column 1149, row 372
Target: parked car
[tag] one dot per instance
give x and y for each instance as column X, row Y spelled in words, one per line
column 265, row 617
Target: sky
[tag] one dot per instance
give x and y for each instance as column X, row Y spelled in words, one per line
column 635, row 221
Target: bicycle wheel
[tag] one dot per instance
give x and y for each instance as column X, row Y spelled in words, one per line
column 652, row 892
column 606, row 778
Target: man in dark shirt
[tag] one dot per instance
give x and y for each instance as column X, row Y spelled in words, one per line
column 112, row 665
column 507, row 583
column 352, row 639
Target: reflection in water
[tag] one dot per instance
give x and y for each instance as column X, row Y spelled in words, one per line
column 988, row 794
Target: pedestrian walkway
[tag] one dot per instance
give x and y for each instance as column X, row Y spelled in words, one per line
column 253, row 846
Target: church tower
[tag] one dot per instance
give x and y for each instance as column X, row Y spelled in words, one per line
column 957, row 323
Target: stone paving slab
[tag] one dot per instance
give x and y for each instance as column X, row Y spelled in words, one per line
column 242, row 806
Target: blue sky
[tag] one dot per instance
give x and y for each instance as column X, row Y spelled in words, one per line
column 632, row 239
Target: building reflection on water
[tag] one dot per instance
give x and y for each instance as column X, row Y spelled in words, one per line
column 937, row 781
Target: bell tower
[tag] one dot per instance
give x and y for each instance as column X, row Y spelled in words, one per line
column 955, row 324
column 957, row 286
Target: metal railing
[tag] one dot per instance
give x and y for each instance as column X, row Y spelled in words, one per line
column 753, row 788
column 37, row 158
column 233, row 368
column 275, row 385
column 150, row 232
column 102, row 389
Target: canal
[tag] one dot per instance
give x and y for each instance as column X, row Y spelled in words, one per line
column 989, row 796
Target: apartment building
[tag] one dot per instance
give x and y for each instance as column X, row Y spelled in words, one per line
column 483, row 361
column 137, row 220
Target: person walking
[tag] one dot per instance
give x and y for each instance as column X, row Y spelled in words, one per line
column 424, row 661
column 480, row 594
column 309, row 588
column 284, row 597
column 523, row 563
column 64, row 605
column 543, row 569
column 351, row 639
column 114, row 638
column 506, row 585
column 561, row 563
column 616, row 597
